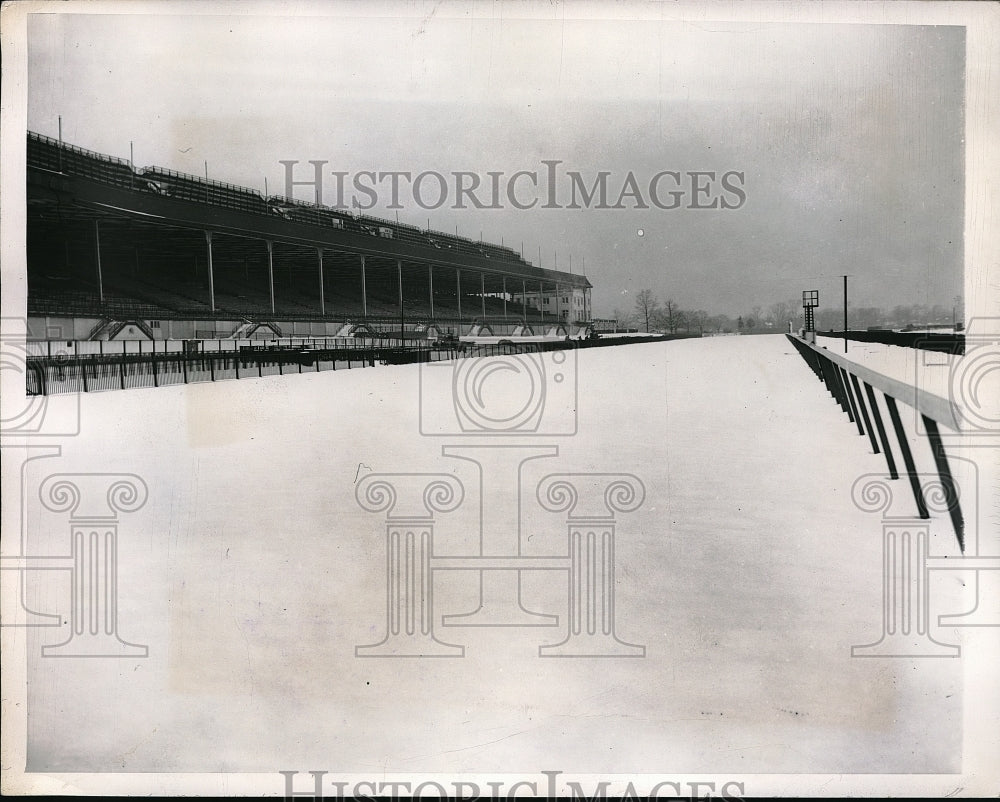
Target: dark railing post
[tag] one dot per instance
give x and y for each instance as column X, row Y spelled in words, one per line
column 848, row 402
column 864, row 412
column 121, row 370
column 850, row 397
column 833, row 383
column 882, row 436
column 947, row 481
column 904, row 447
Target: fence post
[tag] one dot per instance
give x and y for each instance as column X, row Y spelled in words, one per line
column 904, row 447
column 947, row 481
column 886, row 448
column 850, row 397
column 121, row 368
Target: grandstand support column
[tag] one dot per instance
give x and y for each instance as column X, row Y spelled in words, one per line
column 524, row 300
column 482, row 292
column 541, row 312
column 430, row 284
column 322, row 298
column 270, row 271
column 364, row 291
column 399, row 283
column 211, row 276
column 557, row 300
column 97, row 259
column 504, row 279
column 458, row 295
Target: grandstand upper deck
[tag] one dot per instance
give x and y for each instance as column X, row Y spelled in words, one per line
column 51, row 155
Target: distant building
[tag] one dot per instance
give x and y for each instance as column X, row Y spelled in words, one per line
column 568, row 303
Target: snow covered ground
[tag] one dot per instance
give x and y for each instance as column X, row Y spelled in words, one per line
column 252, row 573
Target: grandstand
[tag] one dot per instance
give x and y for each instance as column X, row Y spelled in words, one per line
column 189, row 257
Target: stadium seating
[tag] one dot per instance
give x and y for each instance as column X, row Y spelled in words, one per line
column 164, row 289
column 202, row 190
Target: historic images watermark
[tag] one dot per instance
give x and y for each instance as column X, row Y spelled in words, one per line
column 548, row 186
column 973, row 382
column 316, row 785
column 26, row 412
column 93, row 503
column 500, row 413
column 972, row 377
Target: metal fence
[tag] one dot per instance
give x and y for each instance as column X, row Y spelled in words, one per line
column 946, row 342
column 844, row 379
column 87, row 373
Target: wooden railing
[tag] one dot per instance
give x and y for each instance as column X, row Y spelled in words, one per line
column 844, row 380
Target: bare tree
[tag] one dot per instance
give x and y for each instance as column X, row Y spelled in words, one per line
column 781, row 312
column 646, row 306
column 671, row 315
column 623, row 319
column 700, row 319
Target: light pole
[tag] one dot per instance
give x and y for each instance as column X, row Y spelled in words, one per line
column 845, row 314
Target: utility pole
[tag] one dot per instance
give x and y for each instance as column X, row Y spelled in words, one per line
column 845, row 314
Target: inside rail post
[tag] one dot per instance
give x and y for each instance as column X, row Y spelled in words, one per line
column 886, row 448
column 839, row 378
column 864, row 412
column 850, row 397
column 833, row 383
column 947, row 481
column 904, row 447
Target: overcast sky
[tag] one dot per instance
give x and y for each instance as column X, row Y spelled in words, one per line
column 850, row 137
